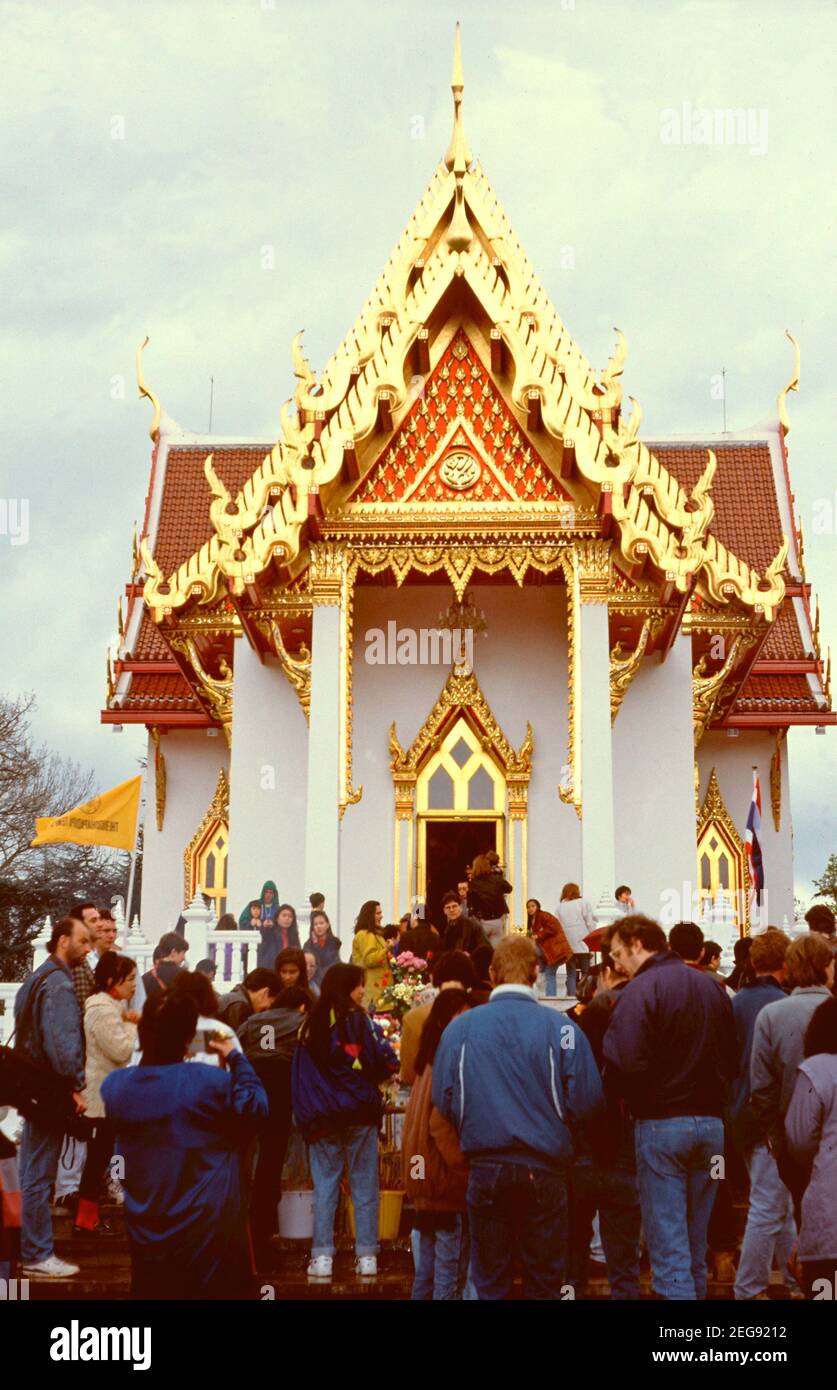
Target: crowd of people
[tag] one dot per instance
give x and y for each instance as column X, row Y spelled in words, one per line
column 641, row 1117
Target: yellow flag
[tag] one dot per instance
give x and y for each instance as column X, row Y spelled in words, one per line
column 109, row 819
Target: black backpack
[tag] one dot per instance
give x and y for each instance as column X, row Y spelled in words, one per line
column 33, row 1087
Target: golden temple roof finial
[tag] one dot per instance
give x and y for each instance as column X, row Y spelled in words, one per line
column 793, row 385
column 459, row 156
column 144, row 391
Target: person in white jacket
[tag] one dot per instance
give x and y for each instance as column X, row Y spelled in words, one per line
column 578, row 919
column 110, row 1032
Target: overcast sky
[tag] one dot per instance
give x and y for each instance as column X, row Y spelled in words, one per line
column 152, row 151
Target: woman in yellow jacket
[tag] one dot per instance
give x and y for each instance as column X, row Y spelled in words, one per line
column 369, row 950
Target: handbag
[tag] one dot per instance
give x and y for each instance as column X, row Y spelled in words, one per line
column 30, row 1086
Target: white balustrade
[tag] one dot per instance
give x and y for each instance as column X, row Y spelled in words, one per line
column 235, row 954
column 41, row 942
column 7, row 1009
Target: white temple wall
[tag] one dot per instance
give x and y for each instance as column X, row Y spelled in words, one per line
column 268, row 782
column 521, row 665
column 733, row 760
column 193, row 762
column 654, row 783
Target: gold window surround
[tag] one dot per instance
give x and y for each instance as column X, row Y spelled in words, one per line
column 460, row 716
column 721, row 855
column 206, row 857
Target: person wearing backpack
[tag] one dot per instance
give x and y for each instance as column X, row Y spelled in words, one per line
column 336, row 1075
column 49, row 1032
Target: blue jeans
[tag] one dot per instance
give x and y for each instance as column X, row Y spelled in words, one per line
column 517, row 1211
column 439, row 1265
column 613, row 1192
column 577, row 964
column 40, row 1151
column 771, row 1228
column 357, row 1148
column 676, row 1192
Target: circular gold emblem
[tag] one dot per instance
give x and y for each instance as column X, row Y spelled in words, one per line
column 459, row 471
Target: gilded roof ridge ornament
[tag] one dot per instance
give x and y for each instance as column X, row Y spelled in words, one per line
column 154, row 431
column 459, row 156
column 793, row 385
column 706, row 690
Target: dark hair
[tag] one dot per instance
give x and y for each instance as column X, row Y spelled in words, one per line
column 570, row 893
column 287, row 907
column 227, row 922
column 170, row 941
column 316, row 899
column 623, row 888
column 206, row 967
column 537, row 906
column 481, row 866
column 451, row 898
column 167, row 972
column 636, row 927
column 292, row 997
column 319, row 912
column 105, row 914
column 291, row 956
column 333, row 1006
column 821, row 1033
column 112, row 970
column 743, row 973
column 710, row 950
column 821, row 919
column 65, row 927
column 366, row 917
column 197, row 987
column 445, row 1007
column 686, row 940
column 454, row 965
column 606, row 960
column 262, row 978
column 168, row 1025
column 391, row 932
column 77, row 908
column 481, row 959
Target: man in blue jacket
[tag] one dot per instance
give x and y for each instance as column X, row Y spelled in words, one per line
column 516, row 1079
column 49, row 1030
column 670, row 1054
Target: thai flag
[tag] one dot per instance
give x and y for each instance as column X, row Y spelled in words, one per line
column 754, row 856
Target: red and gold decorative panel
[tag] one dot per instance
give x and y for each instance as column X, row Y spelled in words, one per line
column 460, row 442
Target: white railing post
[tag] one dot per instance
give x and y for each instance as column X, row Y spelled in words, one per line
column 138, row 947
column 199, row 922
column 41, row 942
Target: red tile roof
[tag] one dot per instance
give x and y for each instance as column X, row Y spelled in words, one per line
column 157, row 692
column 149, row 644
column 785, row 640
column 184, row 523
column 747, row 519
column 776, row 693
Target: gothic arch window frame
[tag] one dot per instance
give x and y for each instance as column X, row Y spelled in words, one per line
column 716, row 820
column 216, row 819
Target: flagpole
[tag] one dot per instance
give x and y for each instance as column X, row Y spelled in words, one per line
column 132, row 874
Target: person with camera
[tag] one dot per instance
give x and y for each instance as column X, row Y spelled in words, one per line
column 49, row 1033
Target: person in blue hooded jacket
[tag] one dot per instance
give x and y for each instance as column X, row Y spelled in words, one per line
column 180, row 1128
column 336, row 1075
column 518, row 1082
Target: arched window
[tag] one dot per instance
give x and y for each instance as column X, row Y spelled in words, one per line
column 205, row 859
column 721, row 854
column 462, row 777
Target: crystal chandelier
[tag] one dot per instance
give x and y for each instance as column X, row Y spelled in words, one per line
column 462, row 615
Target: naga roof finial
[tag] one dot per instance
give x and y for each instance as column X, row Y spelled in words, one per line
column 459, row 155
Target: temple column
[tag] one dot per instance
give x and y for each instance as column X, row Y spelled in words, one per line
column 322, row 822
column 404, row 852
column 593, row 726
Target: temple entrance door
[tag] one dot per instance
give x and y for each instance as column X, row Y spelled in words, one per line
column 450, row 846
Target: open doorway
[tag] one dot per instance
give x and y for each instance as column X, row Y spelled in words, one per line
column 450, row 846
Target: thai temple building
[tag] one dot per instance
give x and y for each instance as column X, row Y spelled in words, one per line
column 462, row 602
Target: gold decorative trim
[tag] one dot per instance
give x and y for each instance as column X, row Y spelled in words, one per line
column 217, row 691
column 296, row 668
column 569, row 790
column 714, row 813
column 623, row 667
column 160, row 776
column 461, row 694
column 218, row 811
column 793, row 385
column 776, row 780
column 592, row 563
column 154, row 429
column 349, row 795
column 706, row 690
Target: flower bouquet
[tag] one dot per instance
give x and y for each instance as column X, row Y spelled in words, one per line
column 405, row 979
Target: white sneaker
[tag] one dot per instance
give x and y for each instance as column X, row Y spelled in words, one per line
column 320, row 1267
column 367, row 1266
column 53, row 1268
